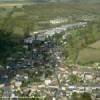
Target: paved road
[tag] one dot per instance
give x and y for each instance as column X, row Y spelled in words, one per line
column 52, row 31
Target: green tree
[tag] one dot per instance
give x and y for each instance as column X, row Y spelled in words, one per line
column 81, row 96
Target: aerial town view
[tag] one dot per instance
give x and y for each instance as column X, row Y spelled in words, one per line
column 49, row 49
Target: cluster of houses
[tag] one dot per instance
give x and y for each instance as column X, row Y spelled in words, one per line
column 40, row 53
column 58, row 20
column 50, row 86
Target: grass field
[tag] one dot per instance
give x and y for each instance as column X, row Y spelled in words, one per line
column 90, row 54
column 95, row 45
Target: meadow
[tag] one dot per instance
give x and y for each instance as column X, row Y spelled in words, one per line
column 90, row 54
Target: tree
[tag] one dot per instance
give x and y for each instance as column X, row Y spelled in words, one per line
column 73, row 79
column 81, row 96
column 74, row 96
column 8, row 44
column 86, row 96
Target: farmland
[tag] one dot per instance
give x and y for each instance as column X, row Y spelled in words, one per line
column 36, row 17
column 95, row 45
column 89, row 55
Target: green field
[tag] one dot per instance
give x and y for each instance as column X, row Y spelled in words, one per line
column 90, row 54
column 95, row 45
column 36, row 17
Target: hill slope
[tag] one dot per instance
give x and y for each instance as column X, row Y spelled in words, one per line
column 71, row 1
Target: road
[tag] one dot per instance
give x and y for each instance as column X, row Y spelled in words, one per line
column 57, row 30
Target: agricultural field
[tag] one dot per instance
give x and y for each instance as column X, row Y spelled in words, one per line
column 90, row 54
column 95, row 45
column 34, row 17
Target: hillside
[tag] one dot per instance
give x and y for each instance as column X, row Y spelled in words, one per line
column 68, row 1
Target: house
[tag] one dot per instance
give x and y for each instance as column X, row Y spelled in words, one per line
column 88, row 89
column 71, row 88
column 88, row 76
column 41, row 86
column 26, row 77
column 5, row 76
column 28, row 40
column 47, row 82
column 41, row 37
column 58, row 20
column 18, row 83
column 54, row 98
column 2, row 85
column 63, row 88
column 98, row 77
column 25, row 46
column 75, row 72
column 13, row 97
column 81, row 89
